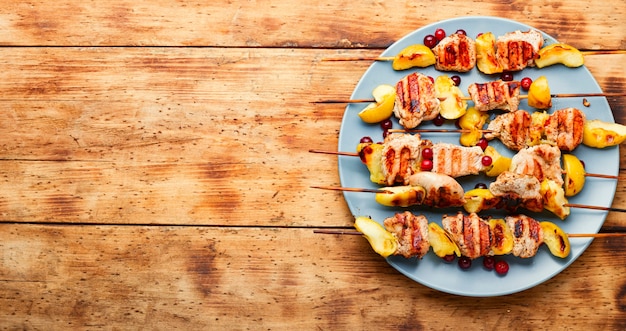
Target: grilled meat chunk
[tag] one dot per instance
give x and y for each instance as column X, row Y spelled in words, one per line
column 455, row 52
column 541, row 161
column 471, row 233
column 412, row 234
column 456, row 161
column 565, row 128
column 527, row 234
column 495, row 95
column 415, row 100
column 400, row 156
column 512, row 129
column 518, row 190
column 442, row 191
column 517, row 50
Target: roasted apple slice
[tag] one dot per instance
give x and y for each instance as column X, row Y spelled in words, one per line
column 539, row 94
column 502, row 237
column 556, row 240
column 371, row 155
column 382, row 109
column 499, row 163
column 413, row 56
column 474, row 121
column 382, row 241
column 486, row 54
column 401, row 196
column 441, row 242
column 574, row 175
column 554, row 198
column 479, row 199
column 601, row 134
column 559, row 53
column 452, row 105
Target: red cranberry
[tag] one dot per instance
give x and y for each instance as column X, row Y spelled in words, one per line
column 449, row 258
column 366, row 140
column 482, row 143
column 525, row 83
column 427, row 153
column 386, row 124
column 440, row 34
column 439, row 120
column 489, row 262
column 427, row 165
column 430, row 41
column 506, row 76
column 465, row 262
column 486, row 160
column 461, row 31
column 456, row 79
column 502, row 267
column 480, row 185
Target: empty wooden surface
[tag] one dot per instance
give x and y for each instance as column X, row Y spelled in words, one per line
column 155, row 169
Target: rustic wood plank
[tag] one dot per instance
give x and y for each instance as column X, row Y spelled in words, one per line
column 172, row 136
column 281, row 24
column 58, row 277
column 111, row 109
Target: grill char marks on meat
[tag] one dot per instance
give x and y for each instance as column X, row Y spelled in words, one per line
column 513, row 129
column 495, row 95
column 518, row 50
column 412, row 234
column 455, row 52
column 471, row 233
column 527, row 234
column 565, row 128
column 415, row 100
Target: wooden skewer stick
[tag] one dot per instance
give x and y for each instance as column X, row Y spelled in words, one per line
column 598, row 175
column 570, row 235
column 614, row 51
column 335, row 231
column 366, row 190
column 391, row 58
column 437, row 130
column 460, row 131
column 353, row 58
column 523, row 96
column 319, row 151
column 595, row 235
column 602, row 176
column 351, row 189
column 344, row 101
column 575, row 205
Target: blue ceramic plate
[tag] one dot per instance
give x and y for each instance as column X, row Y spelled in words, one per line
column 524, row 273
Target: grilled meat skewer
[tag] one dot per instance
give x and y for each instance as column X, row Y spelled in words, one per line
column 469, row 235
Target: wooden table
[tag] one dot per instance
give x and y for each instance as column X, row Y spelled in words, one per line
column 155, row 169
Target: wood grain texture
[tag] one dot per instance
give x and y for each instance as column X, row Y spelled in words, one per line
column 281, row 24
column 155, row 173
column 179, row 136
column 113, row 277
column 208, row 131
